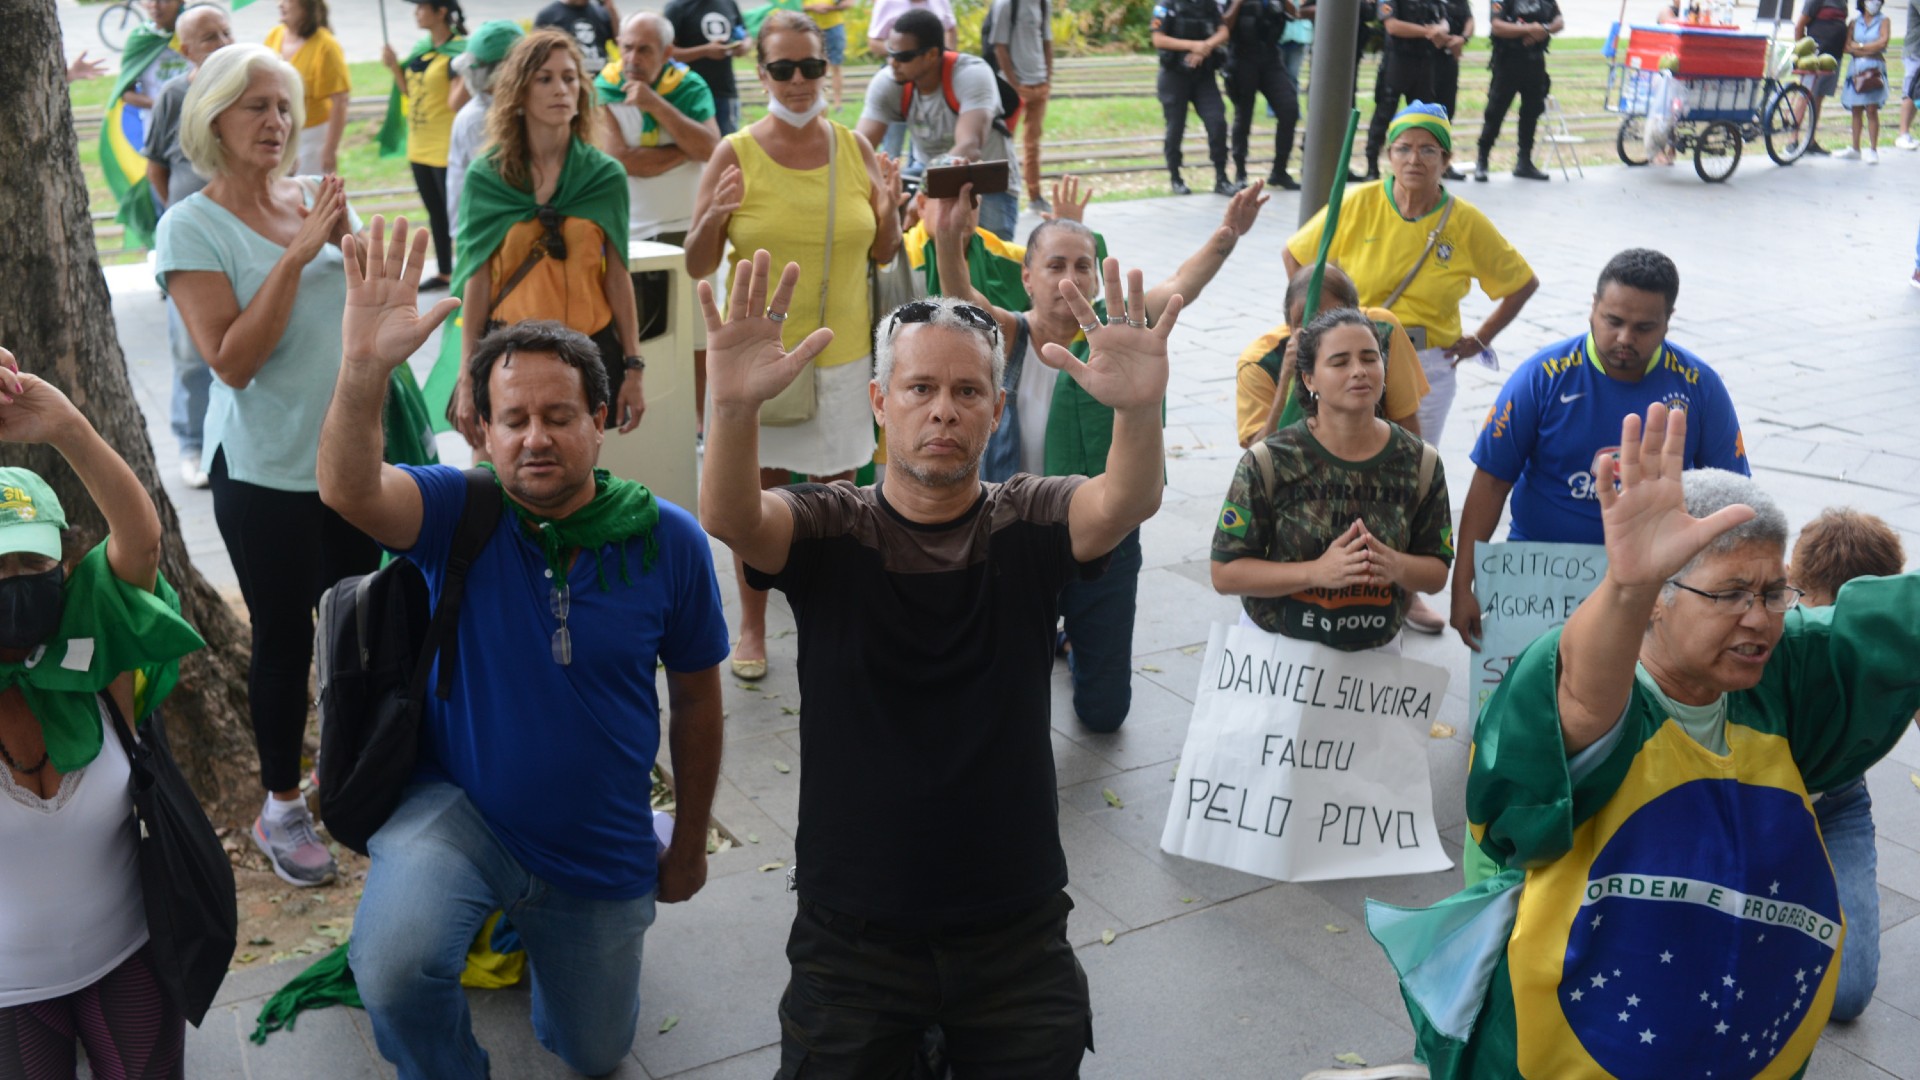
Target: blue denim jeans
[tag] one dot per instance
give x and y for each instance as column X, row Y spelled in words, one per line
column 1846, row 824
column 999, row 213
column 1099, row 616
column 1292, row 55
column 192, row 380
column 895, row 138
column 437, row 872
column 726, row 114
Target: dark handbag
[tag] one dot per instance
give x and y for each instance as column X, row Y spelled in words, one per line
column 1869, row 80
column 374, row 645
column 185, row 880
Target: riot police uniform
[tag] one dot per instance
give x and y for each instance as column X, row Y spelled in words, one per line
column 1407, row 70
column 1519, row 67
column 1181, row 85
column 1446, row 70
column 1256, row 69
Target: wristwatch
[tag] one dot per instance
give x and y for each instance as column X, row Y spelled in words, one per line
column 634, row 363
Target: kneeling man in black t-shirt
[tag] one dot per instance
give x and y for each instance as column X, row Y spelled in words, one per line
column 928, row 854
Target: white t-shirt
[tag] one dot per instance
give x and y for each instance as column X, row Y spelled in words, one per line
column 1032, row 402
column 932, row 121
column 662, row 203
column 469, row 134
column 887, row 12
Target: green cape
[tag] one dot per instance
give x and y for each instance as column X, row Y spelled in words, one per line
column 592, row 186
column 137, row 214
column 393, row 129
column 107, row 627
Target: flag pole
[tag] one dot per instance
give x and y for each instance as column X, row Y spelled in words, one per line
column 1334, row 199
column 383, row 24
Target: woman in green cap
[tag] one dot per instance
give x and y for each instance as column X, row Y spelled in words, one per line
column 75, row 969
column 1415, row 248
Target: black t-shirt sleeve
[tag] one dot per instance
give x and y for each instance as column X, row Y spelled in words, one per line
column 820, row 512
column 1043, row 504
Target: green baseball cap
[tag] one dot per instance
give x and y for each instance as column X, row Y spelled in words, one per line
column 30, row 515
column 492, row 40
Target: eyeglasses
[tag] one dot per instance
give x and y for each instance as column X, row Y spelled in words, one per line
column 1740, row 601
column 919, row 311
column 551, row 237
column 907, row 55
column 1404, row 151
column 560, row 599
column 781, row 70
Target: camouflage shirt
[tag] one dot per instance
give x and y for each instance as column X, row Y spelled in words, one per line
column 1319, row 495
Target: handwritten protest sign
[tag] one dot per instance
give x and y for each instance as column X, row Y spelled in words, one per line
column 1525, row 589
column 1305, row 763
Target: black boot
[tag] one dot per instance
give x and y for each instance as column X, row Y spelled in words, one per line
column 1453, row 174
column 1525, row 170
column 1180, row 186
column 1224, row 186
column 1279, row 179
column 1480, row 167
column 1239, row 175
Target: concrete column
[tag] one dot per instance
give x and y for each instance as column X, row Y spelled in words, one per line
column 1336, row 23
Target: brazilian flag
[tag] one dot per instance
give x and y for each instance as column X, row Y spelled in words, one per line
column 123, row 133
column 755, row 16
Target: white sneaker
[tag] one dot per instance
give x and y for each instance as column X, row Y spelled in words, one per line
column 1907, row 142
column 1870, row 156
column 1846, row 153
column 190, row 471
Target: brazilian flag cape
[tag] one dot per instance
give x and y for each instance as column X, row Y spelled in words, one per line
column 1663, row 910
column 677, row 83
column 123, row 136
column 754, row 17
column 393, row 129
column 592, row 186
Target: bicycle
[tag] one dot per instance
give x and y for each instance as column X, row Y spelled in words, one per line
column 117, row 22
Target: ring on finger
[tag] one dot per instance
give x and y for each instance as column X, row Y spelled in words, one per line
column 776, row 316
column 1137, row 324
column 1090, row 327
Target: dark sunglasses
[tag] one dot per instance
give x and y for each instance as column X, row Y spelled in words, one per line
column 907, row 55
column 781, row 70
column 920, row 311
column 551, row 237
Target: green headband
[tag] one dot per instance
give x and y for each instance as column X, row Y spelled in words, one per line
column 1431, row 124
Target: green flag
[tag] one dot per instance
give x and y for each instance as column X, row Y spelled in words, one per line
column 123, row 136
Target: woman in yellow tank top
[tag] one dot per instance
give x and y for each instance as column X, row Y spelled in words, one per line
column 766, row 186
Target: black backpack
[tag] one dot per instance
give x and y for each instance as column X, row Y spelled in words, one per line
column 374, row 645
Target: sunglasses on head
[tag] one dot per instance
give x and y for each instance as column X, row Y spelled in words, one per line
column 920, row 311
column 906, row 55
column 781, row 70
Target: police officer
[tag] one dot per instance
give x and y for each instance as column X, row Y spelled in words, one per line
column 1256, row 67
column 1446, row 69
column 1192, row 38
column 1417, row 33
column 1521, row 31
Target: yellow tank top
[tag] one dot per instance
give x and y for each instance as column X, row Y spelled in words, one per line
column 785, row 211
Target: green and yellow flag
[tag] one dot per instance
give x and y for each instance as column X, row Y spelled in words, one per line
column 123, row 134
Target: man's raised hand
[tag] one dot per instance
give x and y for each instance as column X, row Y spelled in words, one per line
column 1127, row 362
column 746, row 363
column 383, row 324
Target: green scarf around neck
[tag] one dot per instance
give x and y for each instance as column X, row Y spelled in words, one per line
column 621, row 510
column 107, row 627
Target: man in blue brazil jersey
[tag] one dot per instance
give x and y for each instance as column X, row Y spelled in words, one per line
column 1562, row 409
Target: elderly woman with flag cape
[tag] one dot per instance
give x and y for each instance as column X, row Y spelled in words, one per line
column 1667, row 907
column 543, row 227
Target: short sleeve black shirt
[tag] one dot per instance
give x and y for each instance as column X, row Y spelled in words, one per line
column 1533, row 12
column 588, row 25
column 927, row 790
column 700, row 22
column 1419, row 12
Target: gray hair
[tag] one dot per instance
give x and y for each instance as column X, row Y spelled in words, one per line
column 661, row 25
column 938, row 311
column 216, row 86
column 1709, row 491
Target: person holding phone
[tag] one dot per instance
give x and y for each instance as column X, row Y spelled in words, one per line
column 814, row 193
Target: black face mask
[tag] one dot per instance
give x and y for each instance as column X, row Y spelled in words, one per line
column 30, row 608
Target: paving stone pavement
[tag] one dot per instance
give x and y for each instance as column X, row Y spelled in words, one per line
column 1793, row 287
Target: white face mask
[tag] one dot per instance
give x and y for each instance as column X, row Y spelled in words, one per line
column 1873, row 7
column 798, row 119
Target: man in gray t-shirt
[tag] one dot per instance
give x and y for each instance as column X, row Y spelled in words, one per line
column 917, row 71
column 169, row 172
column 1911, row 83
column 1020, row 33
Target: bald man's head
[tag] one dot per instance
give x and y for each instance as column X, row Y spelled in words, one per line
column 646, row 44
column 203, row 31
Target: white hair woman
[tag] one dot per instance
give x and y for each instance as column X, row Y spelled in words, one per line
column 253, row 263
column 1674, row 872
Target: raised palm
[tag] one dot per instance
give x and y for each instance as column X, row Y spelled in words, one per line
column 383, row 323
column 746, row 362
column 1649, row 534
column 1127, row 359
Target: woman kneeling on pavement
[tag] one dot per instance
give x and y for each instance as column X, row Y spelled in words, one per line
column 79, row 642
column 1333, row 523
column 1415, row 249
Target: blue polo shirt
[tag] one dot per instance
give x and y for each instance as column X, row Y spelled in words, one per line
column 1561, row 409
column 558, row 759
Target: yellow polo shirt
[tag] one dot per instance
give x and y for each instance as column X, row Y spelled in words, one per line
column 322, row 65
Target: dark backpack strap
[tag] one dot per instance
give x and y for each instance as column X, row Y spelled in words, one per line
column 470, row 535
column 1017, row 355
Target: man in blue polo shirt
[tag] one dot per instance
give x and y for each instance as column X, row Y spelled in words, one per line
column 532, row 792
column 1562, row 409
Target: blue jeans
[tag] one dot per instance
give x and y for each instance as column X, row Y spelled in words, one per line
column 1292, row 55
column 999, row 213
column 726, row 114
column 437, row 872
column 1846, row 824
column 895, row 138
column 1099, row 616
column 192, row 380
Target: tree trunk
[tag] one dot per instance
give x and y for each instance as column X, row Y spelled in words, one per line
column 57, row 317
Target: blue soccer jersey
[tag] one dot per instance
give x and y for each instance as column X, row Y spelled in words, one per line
column 1561, row 410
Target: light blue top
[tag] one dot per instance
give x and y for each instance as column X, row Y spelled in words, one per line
column 271, row 429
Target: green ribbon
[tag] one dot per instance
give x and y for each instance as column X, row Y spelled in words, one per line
column 621, row 510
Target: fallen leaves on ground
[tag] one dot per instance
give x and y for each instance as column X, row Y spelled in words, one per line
column 1150, row 667
column 1112, row 799
column 1106, row 937
column 1333, row 929
column 668, row 1024
column 1441, row 731
column 782, row 767
column 767, row 868
column 1351, row 1058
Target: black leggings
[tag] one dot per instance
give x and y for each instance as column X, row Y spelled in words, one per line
column 1263, row 75
column 432, row 182
column 286, row 548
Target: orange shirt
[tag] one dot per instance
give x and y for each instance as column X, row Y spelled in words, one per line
column 572, row 291
column 322, row 65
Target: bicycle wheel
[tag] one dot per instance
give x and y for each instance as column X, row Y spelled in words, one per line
column 1716, row 151
column 1789, row 131
column 1631, row 143
column 116, row 23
